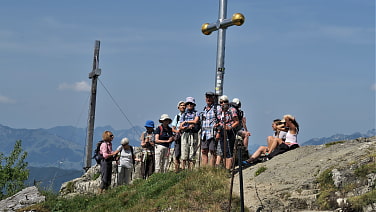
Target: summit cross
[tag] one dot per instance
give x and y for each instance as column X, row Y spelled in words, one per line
column 221, row 25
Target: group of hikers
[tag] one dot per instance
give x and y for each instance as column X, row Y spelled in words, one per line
column 214, row 130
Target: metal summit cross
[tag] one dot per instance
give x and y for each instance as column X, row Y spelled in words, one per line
column 221, row 25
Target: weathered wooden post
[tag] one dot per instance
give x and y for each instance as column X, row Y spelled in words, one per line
column 93, row 75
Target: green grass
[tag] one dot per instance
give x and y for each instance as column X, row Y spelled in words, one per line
column 334, row 143
column 204, row 189
column 327, row 189
column 359, row 202
column 327, row 199
column 260, row 170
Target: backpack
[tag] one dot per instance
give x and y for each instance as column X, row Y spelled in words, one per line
column 133, row 156
column 240, row 114
column 97, row 156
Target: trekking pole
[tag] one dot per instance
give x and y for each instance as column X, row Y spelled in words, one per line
column 116, row 175
column 199, row 153
column 195, row 150
column 232, row 178
column 224, row 147
column 240, row 142
column 172, row 159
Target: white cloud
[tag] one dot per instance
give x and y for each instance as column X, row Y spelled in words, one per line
column 6, row 100
column 78, row 86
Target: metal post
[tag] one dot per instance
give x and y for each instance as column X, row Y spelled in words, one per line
column 96, row 72
column 221, row 25
column 221, row 39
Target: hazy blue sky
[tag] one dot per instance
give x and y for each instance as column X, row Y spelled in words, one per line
column 312, row 59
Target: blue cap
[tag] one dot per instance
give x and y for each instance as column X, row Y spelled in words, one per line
column 149, row 123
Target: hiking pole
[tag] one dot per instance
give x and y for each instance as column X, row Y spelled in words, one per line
column 172, row 159
column 200, row 152
column 232, row 179
column 240, row 145
column 224, row 147
column 195, row 150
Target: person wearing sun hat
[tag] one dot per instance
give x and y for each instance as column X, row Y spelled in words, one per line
column 228, row 128
column 147, row 143
column 189, row 125
column 176, row 130
column 163, row 139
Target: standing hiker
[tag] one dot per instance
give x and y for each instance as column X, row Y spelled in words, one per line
column 147, row 143
column 208, row 130
column 177, row 134
column 189, row 125
column 163, row 139
column 106, row 161
column 125, row 163
column 228, row 124
column 242, row 129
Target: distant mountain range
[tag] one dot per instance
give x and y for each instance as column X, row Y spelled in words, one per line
column 61, row 147
column 64, row 146
column 339, row 137
column 51, row 178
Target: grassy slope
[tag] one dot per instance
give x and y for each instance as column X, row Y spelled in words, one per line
column 200, row 190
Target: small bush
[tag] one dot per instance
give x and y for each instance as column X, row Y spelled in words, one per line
column 358, row 202
column 365, row 169
column 326, row 198
column 260, row 170
column 334, row 143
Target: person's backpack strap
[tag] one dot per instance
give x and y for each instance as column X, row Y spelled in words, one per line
column 134, row 169
column 160, row 130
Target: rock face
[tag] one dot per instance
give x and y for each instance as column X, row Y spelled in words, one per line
column 24, row 198
column 90, row 181
column 290, row 181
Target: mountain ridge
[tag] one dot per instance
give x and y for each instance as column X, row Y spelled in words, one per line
column 64, row 146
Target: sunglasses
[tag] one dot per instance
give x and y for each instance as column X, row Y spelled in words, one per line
column 221, row 102
column 111, row 136
column 189, row 103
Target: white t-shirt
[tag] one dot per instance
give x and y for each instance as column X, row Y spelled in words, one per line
column 126, row 159
column 282, row 135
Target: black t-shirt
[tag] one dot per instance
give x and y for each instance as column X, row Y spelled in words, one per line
column 164, row 135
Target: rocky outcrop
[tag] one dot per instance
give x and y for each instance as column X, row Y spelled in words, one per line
column 26, row 197
column 309, row 178
column 295, row 180
column 90, row 181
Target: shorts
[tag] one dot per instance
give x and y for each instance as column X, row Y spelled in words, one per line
column 177, row 150
column 210, row 144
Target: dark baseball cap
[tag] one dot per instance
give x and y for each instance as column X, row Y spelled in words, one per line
column 209, row 93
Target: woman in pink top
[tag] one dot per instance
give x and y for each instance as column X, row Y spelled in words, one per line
column 106, row 163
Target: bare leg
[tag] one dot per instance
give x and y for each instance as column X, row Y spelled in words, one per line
column 229, row 163
column 212, row 158
column 205, row 156
column 259, row 151
column 275, row 143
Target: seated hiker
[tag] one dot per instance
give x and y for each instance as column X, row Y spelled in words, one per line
column 291, row 136
column 279, row 136
column 278, row 127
